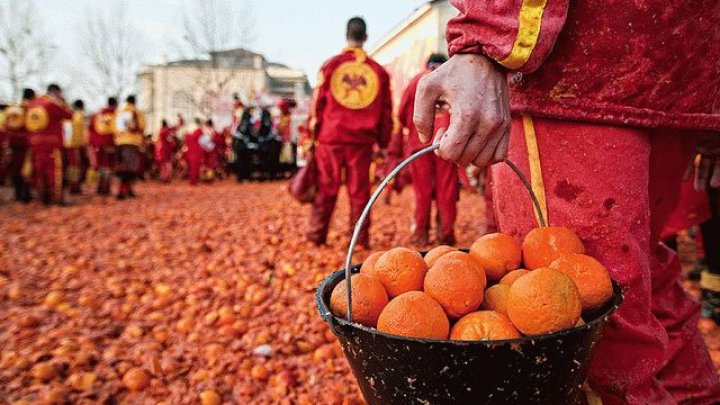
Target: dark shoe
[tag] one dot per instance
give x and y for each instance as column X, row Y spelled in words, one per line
column 447, row 240
column 131, row 194
column 419, row 239
column 121, row 196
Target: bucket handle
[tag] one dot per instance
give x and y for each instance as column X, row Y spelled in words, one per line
column 379, row 190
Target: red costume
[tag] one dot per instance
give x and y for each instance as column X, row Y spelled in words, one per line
column 351, row 111
column 130, row 140
column 19, row 167
column 194, row 154
column 591, row 70
column 44, row 122
column 164, row 150
column 431, row 175
column 102, row 146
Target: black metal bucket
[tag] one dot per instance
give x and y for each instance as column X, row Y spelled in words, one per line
column 547, row 369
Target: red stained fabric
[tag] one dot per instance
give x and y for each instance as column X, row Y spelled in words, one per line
column 645, row 63
column 600, row 182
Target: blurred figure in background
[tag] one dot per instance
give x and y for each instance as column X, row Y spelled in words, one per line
column 76, row 147
column 432, row 177
column 165, row 148
column 194, row 153
column 210, row 150
column 19, row 167
column 129, row 138
column 102, row 144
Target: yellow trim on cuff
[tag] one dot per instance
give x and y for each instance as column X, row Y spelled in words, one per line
column 536, row 178
column 529, row 23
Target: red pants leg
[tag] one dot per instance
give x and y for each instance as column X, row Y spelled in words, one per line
column 446, row 194
column 194, row 170
column 688, row 371
column 423, row 176
column 329, row 161
column 488, row 190
column 609, row 206
column 48, row 171
column 357, row 173
column 74, row 169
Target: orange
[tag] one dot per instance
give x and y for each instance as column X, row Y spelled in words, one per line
column 543, row 245
column 496, row 298
column 484, row 325
column 400, row 270
column 368, row 265
column 368, row 299
column 511, row 277
column 415, row 315
column 543, row 301
column 458, row 287
column 497, row 253
column 436, row 253
column 463, row 257
column 591, row 278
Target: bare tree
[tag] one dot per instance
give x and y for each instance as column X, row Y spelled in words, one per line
column 24, row 47
column 209, row 27
column 113, row 49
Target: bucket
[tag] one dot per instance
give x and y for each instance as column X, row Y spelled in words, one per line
column 548, row 369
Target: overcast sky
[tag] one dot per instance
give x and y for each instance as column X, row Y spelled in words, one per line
column 299, row 33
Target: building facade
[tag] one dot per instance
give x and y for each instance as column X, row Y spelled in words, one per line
column 205, row 88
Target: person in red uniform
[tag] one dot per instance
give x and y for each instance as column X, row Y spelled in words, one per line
column 592, row 91
column 194, row 152
column 351, row 111
column 129, row 139
column 17, row 139
column 102, row 144
column 44, row 122
column 165, row 148
column 432, row 177
column 210, row 149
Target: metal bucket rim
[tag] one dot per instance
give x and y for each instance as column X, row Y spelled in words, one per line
column 331, row 319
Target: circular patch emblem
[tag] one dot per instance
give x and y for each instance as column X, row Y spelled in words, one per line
column 15, row 118
column 104, row 124
column 37, row 119
column 354, row 85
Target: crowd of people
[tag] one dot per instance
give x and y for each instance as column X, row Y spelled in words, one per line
column 49, row 147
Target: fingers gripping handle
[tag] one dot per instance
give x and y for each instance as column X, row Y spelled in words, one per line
column 376, row 195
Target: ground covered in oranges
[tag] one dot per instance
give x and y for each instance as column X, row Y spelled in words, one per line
column 184, row 295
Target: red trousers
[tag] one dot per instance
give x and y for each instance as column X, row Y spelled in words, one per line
column 332, row 161
column 435, row 177
column 603, row 182
column 48, row 172
column 194, row 165
column 75, row 167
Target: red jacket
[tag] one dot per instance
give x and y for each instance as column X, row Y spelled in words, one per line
column 44, row 121
column 407, row 140
column 192, row 141
column 352, row 103
column 102, row 128
column 165, row 145
column 643, row 63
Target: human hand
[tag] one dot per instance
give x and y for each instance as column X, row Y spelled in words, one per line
column 476, row 91
column 707, row 165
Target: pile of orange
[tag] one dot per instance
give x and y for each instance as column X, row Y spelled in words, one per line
column 499, row 290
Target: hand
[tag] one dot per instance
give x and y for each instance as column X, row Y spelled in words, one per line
column 476, row 91
column 707, row 167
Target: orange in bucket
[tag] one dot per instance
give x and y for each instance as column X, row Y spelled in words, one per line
column 496, row 298
column 368, row 265
column 437, row 252
column 368, row 299
column 484, row 325
column 463, row 257
column 543, row 301
column 591, row 278
column 400, row 270
column 543, row 245
column 497, row 253
column 510, row 278
column 458, row 287
column 416, row 315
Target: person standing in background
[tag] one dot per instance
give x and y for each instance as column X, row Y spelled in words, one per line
column 165, row 148
column 75, row 148
column 432, row 177
column 351, row 111
column 102, row 144
column 19, row 167
column 194, row 152
column 129, row 138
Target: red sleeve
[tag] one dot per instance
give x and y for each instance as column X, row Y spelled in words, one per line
column 386, row 119
column 61, row 111
column 518, row 34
